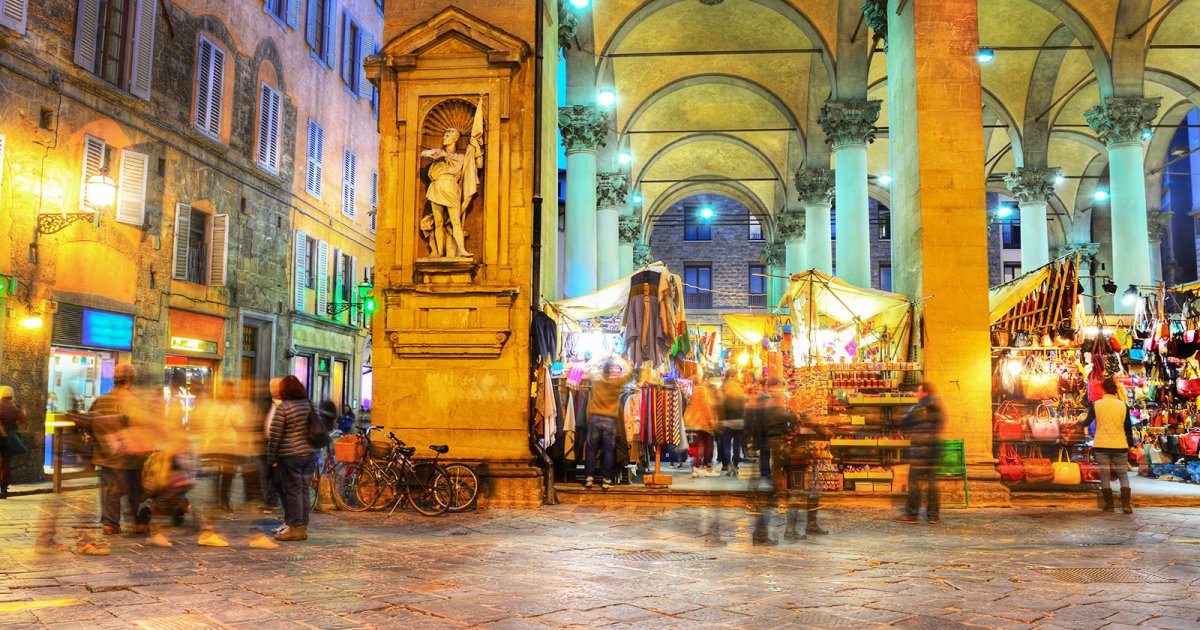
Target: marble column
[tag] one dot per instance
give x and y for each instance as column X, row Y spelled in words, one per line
column 1087, row 262
column 1157, row 226
column 814, row 188
column 791, row 229
column 1120, row 123
column 583, row 128
column 1032, row 187
column 629, row 231
column 774, row 257
column 610, row 196
column 849, row 127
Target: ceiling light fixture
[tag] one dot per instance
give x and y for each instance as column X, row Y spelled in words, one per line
column 606, row 98
column 706, row 213
column 1004, row 211
column 624, row 157
column 985, row 55
column 580, row 4
column 1059, row 179
column 637, row 198
column 885, row 179
column 1100, row 195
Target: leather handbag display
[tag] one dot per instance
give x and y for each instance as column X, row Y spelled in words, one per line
column 1095, row 389
column 1007, row 424
column 1039, row 386
column 1042, row 427
column 1066, row 472
column 1069, row 429
column 1038, row 469
column 1010, row 467
column 1189, row 443
column 1089, row 470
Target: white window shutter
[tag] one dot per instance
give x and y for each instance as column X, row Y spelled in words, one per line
column 301, row 260
column 330, row 42
column 322, row 277
column 268, row 129
column 131, row 189
column 349, row 165
column 338, row 276
column 94, row 150
column 365, row 48
column 183, row 228
column 374, row 198
column 87, row 21
column 316, row 153
column 310, row 24
column 218, row 250
column 293, row 13
column 352, row 286
column 13, row 15
column 143, row 49
column 210, row 85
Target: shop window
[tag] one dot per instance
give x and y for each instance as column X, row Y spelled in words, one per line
column 695, row 228
column 1011, row 271
column 14, row 13
column 270, row 106
column 315, row 154
column 114, row 39
column 758, row 286
column 210, row 87
column 1010, row 232
column 885, row 225
column 320, row 29
column 697, row 289
column 201, row 246
column 302, row 369
column 286, row 12
column 349, row 169
column 885, row 277
column 756, row 231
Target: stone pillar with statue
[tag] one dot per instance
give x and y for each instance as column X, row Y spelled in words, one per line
column 454, row 243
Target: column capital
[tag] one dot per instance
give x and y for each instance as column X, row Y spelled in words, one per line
column 1032, row 184
column 1157, row 223
column 1086, row 251
column 568, row 24
column 1122, row 119
column 849, row 122
column 629, row 229
column 772, row 255
column 611, row 188
column 814, row 185
column 583, row 127
column 875, row 14
column 790, row 225
column 642, row 255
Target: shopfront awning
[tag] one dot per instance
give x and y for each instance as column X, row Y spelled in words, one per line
column 1042, row 299
column 1003, row 298
column 833, row 301
column 607, row 301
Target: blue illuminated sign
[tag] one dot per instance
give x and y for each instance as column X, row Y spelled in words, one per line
column 107, row 330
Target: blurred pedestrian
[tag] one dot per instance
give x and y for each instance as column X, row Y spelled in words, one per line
column 602, row 423
column 776, row 421
column 294, row 460
column 12, row 416
column 1111, row 444
column 217, row 423
column 329, row 414
column 122, row 441
column 701, row 419
column 732, row 410
column 345, row 422
column 923, row 424
column 270, row 485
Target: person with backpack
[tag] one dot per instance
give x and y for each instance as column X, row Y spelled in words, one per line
column 292, row 452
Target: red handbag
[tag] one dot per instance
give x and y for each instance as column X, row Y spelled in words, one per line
column 1038, row 469
column 1188, row 387
column 1089, row 470
column 1008, row 425
column 1070, row 431
column 1010, row 467
column 1095, row 390
column 1189, row 443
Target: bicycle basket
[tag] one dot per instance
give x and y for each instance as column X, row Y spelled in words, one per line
column 380, row 450
column 349, row 449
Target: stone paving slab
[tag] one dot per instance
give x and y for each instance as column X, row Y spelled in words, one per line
column 590, row 566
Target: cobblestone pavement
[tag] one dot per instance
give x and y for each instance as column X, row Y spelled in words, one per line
column 591, row 566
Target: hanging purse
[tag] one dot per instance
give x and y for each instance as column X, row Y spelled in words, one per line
column 1042, row 427
column 1069, row 429
column 1188, row 384
column 1039, row 386
column 1038, row 469
column 1007, row 424
column 1066, row 472
column 1089, row 470
column 1010, row 467
column 1189, row 443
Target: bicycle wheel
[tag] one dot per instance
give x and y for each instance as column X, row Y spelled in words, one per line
column 345, row 487
column 369, row 489
column 429, row 489
column 464, row 487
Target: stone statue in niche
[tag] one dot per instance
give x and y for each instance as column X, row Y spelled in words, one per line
column 453, row 177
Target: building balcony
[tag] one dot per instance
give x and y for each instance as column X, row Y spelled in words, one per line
column 758, row 300
column 697, row 300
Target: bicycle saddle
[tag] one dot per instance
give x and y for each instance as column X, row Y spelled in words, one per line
column 440, row 449
column 408, row 451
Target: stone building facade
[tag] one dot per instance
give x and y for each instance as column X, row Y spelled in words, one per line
column 189, row 119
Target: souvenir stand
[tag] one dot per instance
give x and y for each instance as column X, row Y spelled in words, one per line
column 1161, row 349
column 1042, row 368
column 639, row 318
column 850, row 371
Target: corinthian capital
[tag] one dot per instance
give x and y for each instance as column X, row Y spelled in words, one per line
column 1087, row 251
column 849, row 122
column 791, row 225
column 814, row 185
column 772, row 255
column 629, row 229
column 642, row 255
column 568, row 24
column 610, row 190
column 875, row 14
column 1031, row 184
column 583, row 127
column 1122, row 119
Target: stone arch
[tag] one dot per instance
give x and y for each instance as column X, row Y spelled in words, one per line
column 1086, row 35
column 698, row 185
column 1014, row 131
column 786, row 9
column 698, row 137
column 1038, row 97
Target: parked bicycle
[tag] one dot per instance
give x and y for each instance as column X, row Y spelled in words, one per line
column 354, row 463
column 398, row 479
